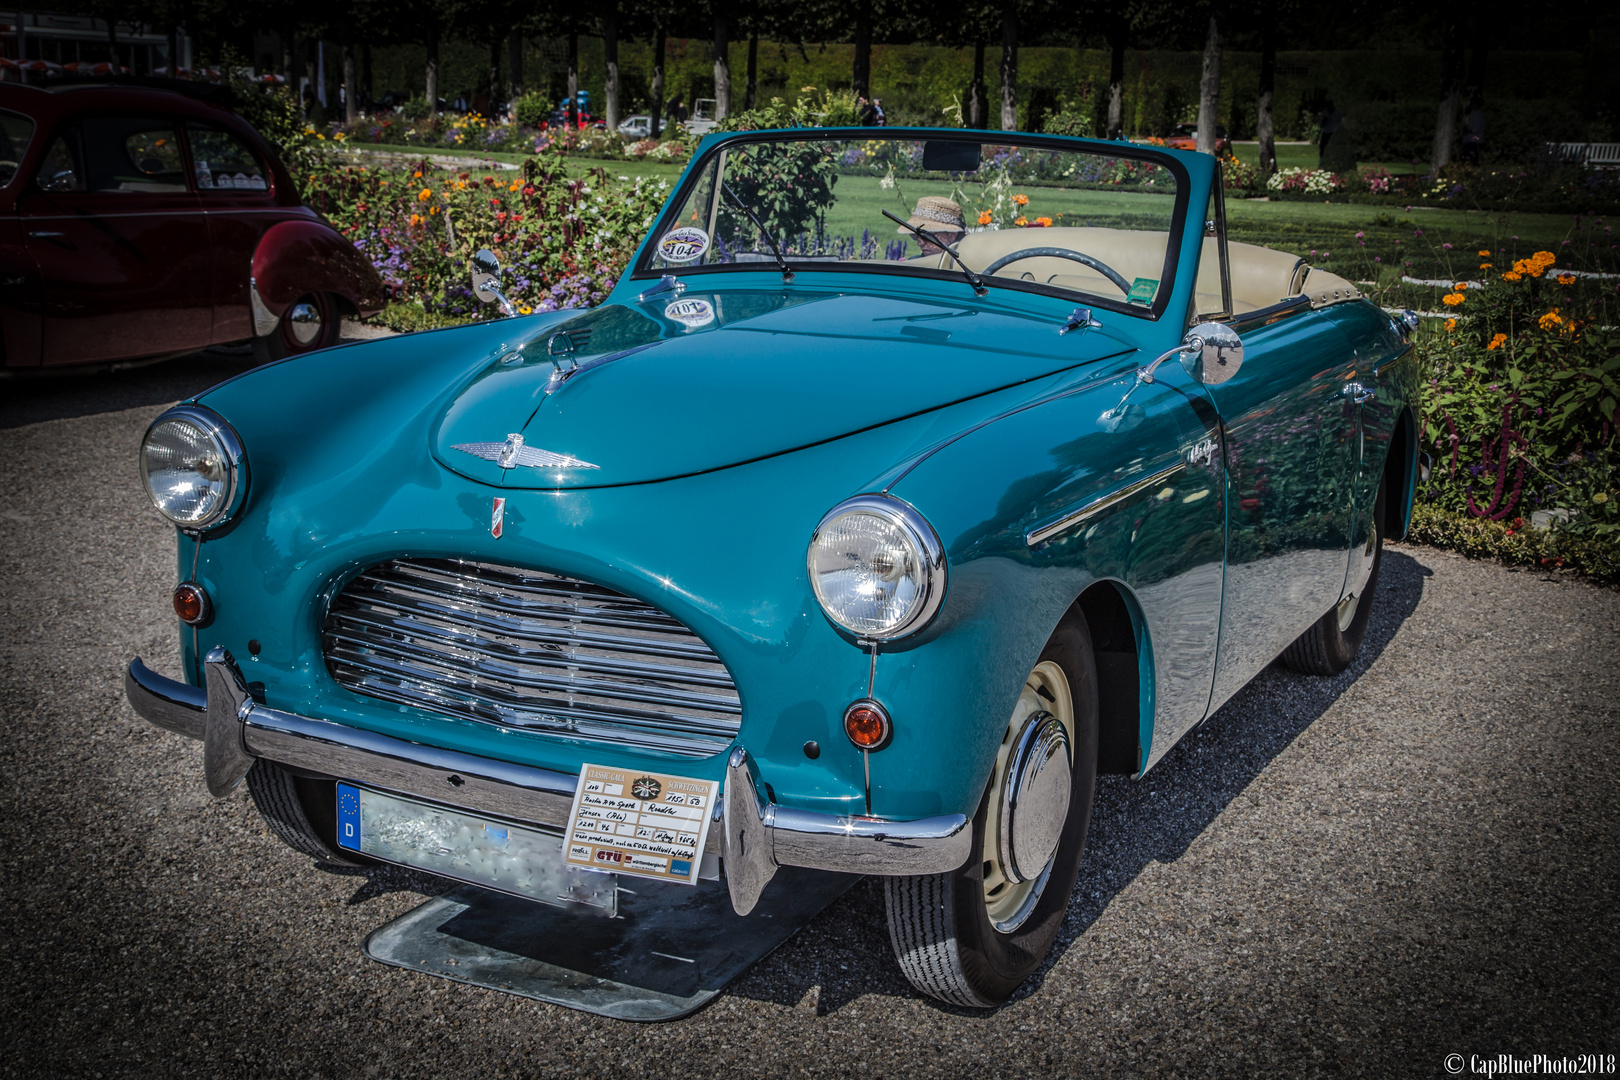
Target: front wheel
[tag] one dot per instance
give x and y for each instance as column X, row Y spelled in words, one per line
column 971, row 937
column 311, row 322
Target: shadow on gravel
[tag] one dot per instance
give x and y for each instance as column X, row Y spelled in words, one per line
column 32, row 399
column 845, row 952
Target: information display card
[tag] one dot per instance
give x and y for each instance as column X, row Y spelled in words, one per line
column 648, row 824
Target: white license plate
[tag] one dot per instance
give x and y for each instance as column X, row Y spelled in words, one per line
column 455, row 844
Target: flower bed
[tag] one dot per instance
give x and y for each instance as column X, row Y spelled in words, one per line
column 471, row 133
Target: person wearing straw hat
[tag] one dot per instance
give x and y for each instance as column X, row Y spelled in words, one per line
column 937, row 216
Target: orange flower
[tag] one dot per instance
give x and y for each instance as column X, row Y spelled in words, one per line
column 1512, row 275
column 984, row 218
column 1452, row 299
column 1021, row 221
column 1044, row 222
column 1021, row 200
column 1551, row 321
column 1565, row 279
column 1451, row 324
column 1484, row 266
column 1497, row 342
column 425, row 194
column 416, row 219
column 1484, row 254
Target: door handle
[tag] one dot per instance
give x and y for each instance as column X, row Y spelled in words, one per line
column 43, row 234
column 1358, row 393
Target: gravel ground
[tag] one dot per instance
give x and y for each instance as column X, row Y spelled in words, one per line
column 1356, row 876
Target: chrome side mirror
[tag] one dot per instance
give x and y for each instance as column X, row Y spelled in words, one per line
column 1212, row 352
column 486, row 281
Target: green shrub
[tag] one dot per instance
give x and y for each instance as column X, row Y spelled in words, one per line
column 1514, row 543
column 533, row 109
column 416, row 108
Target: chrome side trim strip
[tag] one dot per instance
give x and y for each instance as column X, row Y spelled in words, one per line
column 1042, row 533
column 757, row 838
column 1250, row 320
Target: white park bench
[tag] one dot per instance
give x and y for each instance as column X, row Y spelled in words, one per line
column 1597, row 155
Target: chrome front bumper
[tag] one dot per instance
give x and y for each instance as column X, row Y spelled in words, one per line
column 757, row 835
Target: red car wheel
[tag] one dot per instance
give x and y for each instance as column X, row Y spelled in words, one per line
column 311, row 322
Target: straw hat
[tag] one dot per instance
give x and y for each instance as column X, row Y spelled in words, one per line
column 936, row 214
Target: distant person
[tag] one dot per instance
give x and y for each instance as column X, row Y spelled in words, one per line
column 882, row 117
column 1331, row 118
column 866, row 113
column 676, row 110
column 1473, row 139
column 937, row 217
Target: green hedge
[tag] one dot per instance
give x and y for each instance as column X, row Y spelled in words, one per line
column 1515, row 544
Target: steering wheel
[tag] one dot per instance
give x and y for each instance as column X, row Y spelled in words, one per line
column 1062, row 253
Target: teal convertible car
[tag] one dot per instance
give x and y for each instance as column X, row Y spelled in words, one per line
column 902, row 485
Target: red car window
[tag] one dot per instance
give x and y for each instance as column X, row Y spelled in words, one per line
column 115, row 153
column 224, row 163
column 15, row 131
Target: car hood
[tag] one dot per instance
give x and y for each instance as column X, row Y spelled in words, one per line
column 687, row 384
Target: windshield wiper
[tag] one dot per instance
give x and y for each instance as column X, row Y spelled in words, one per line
column 787, row 273
column 974, row 279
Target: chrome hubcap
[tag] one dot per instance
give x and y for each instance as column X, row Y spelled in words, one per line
column 304, row 322
column 1029, row 798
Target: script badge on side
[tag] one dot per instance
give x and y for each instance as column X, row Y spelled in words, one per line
column 649, row 824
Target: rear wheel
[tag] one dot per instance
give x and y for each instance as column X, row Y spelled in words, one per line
column 301, row 811
column 311, row 322
column 971, row 937
column 1333, row 640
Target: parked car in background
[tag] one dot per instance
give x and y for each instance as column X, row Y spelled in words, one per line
column 900, row 544
column 140, row 222
column 637, row 127
column 702, row 120
column 1185, row 137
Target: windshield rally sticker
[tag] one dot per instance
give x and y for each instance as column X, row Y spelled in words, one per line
column 692, row 312
column 649, row 824
column 683, row 245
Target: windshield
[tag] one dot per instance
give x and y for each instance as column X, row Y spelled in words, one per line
column 1095, row 223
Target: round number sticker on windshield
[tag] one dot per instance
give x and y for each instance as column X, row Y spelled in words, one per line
column 692, row 312
column 684, row 244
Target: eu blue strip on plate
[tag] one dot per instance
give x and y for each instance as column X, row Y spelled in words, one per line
column 348, row 815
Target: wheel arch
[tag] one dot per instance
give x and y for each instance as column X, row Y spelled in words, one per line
column 1400, row 475
column 1124, row 658
column 298, row 257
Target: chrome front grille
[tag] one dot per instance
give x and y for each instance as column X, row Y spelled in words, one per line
column 527, row 649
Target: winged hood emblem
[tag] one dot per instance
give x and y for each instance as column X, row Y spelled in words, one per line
column 512, row 453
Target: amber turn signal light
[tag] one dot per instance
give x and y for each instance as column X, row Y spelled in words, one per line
column 867, row 725
column 191, row 604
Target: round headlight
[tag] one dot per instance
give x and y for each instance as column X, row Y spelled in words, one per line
column 192, row 465
column 877, row 567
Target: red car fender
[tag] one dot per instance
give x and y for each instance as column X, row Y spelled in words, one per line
column 296, row 258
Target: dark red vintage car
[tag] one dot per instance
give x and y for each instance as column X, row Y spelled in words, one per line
column 1185, row 137
column 144, row 222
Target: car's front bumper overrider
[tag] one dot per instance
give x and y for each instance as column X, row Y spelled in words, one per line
column 754, row 837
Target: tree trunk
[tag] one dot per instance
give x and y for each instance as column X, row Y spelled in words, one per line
column 978, row 106
column 112, row 43
column 1209, row 88
column 658, row 81
column 610, row 54
column 1445, row 124
column 432, row 91
column 861, row 83
column 573, row 80
column 174, row 51
column 289, row 44
column 1268, row 82
column 1116, row 79
column 753, row 67
column 1009, row 71
column 351, row 106
column 366, row 85
column 490, row 110
column 722, row 69
column 514, row 66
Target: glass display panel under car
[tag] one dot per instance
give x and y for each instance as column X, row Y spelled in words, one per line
column 1094, row 224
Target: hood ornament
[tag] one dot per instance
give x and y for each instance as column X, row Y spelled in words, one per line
column 512, row 453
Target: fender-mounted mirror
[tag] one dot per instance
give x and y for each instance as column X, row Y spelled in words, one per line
column 1212, row 353
column 486, row 281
